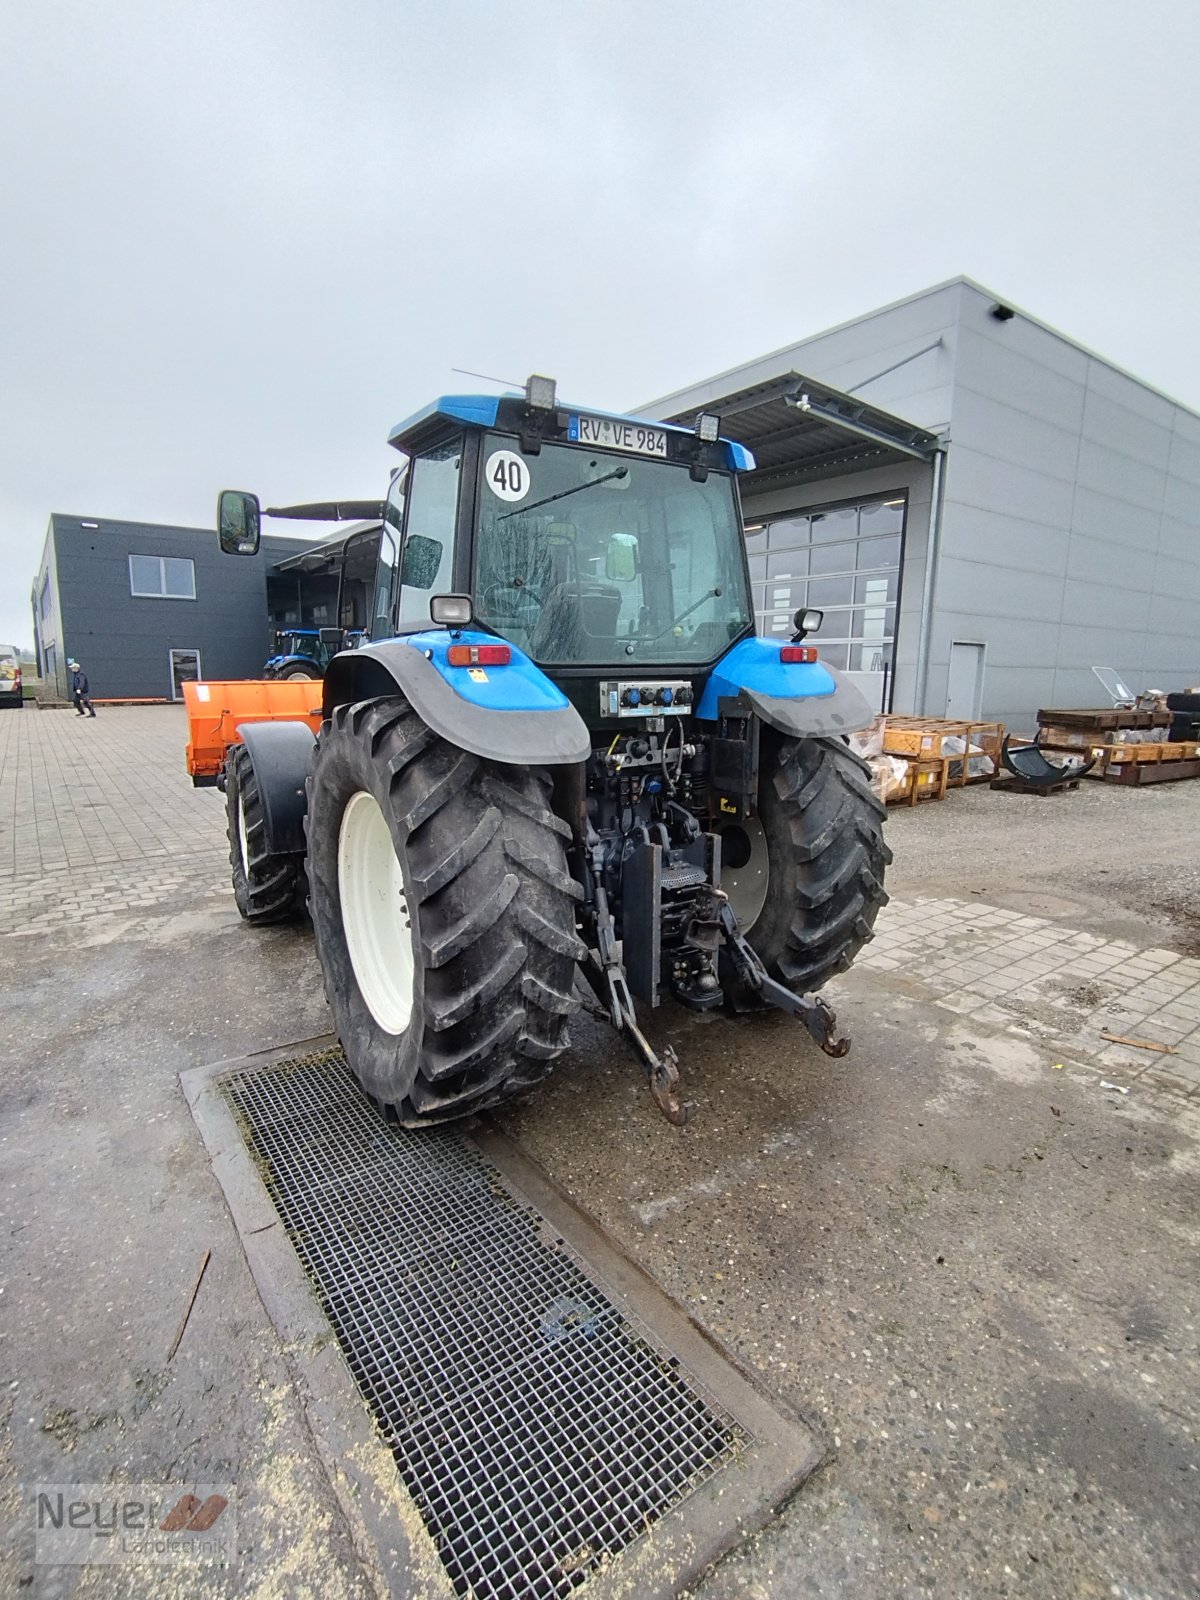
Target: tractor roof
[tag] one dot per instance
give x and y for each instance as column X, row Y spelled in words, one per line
column 506, row 411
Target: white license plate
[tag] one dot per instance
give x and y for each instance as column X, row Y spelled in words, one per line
column 606, row 434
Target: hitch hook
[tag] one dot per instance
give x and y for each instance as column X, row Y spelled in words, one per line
column 662, row 1071
column 607, row 978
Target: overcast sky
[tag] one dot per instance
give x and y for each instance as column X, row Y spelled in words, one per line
column 240, row 239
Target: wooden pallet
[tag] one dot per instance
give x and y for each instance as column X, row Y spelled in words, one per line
column 1137, row 772
column 1014, row 785
column 924, row 738
column 1101, row 719
column 1164, row 750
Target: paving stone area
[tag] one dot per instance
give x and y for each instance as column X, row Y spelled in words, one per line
column 1038, row 978
column 77, row 793
column 99, row 819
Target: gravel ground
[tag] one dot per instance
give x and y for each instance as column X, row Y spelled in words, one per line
column 1108, row 859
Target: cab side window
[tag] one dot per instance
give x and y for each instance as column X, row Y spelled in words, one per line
column 427, row 560
column 384, row 584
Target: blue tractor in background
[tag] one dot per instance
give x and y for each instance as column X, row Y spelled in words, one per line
column 572, row 758
column 299, row 653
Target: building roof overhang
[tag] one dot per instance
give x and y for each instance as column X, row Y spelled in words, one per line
column 320, row 555
column 800, row 430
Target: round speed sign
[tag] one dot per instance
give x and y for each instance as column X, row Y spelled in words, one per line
column 507, row 475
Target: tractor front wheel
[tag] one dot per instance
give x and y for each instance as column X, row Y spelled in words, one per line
column 805, row 877
column 444, row 914
column 268, row 888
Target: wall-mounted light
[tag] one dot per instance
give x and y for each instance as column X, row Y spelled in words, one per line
column 1002, row 313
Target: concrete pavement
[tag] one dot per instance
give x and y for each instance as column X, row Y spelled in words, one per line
column 972, row 1265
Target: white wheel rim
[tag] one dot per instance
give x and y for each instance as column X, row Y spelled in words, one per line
column 746, row 885
column 243, row 842
column 375, row 916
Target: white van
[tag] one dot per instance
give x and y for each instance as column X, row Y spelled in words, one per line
column 10, row 676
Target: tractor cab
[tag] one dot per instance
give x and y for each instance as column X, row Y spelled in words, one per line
column 602, row 547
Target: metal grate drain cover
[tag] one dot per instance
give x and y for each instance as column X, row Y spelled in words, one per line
column 536, row 1426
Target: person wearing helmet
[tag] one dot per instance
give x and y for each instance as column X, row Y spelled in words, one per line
column 81, row 690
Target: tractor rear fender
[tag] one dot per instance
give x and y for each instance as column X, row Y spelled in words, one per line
column 511, row 713
column 800, row 699
column 281, row 755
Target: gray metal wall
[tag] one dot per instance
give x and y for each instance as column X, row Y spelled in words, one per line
column 916, row 338
column 48, row 623
column 849, row 357
column 1071, row 529
column 123, row 640
column 1070, row 534
column 914, row 479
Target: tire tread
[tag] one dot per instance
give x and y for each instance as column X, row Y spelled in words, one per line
column 485, row 861
column 269, row 888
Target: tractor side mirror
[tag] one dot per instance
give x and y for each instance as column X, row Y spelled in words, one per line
column 238, row 522
column 621, row 558
column 807, row 620
column 420, row 562
column 331, row 638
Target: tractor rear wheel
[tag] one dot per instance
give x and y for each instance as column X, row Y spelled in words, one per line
column 311, row 673
column 267, row 888
column 805, row 877
column 444, row 914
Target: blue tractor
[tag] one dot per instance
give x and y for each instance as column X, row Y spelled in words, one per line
column 572, row 759
column 298, row 653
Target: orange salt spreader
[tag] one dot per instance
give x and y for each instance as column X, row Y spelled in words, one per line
column 216, row 712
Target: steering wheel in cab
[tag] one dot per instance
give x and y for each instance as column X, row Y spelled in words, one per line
column 515, row 607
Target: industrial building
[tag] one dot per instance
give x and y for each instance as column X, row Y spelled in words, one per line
column 145, row 607
column 984, row 509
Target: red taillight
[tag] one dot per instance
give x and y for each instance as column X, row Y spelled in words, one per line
column 17, row 678
column 479, row 655
column 798, row 652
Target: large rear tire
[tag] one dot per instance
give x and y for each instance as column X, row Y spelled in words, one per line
column 443, row 911
column 805, row 877
column 268, row 888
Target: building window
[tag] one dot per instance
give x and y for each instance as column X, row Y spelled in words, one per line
column 846, row 560
column 162, row 577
